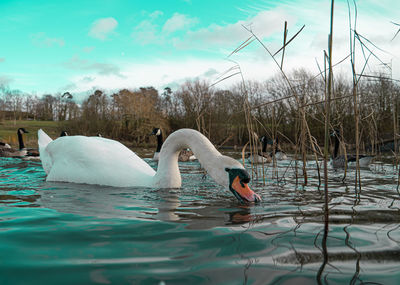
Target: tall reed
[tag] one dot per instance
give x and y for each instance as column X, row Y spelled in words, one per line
column 326, row 150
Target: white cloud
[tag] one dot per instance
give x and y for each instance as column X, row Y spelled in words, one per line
column 156, row 14
column 79, row 64
column 221, row 39
column 67, row 87
column 210, row 72
column 102, row 28
column 178, row 22
column 149, row 31
column 162, row 73
column 263, row 24
column 42, row 40
column 146, row 32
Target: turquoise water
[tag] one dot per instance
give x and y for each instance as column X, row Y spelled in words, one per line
column 60, row 233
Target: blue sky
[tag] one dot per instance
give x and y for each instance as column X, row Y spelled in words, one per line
column 80, row 45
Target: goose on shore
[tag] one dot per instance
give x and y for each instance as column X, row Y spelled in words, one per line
column 339, row 161
column 76, row 159
column 184, row 155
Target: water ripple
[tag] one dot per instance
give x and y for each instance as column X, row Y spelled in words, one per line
column 200, row 234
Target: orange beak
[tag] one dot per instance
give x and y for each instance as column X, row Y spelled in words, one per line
column 243, row 191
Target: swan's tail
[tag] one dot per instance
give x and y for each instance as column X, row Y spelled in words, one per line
column 43, row 141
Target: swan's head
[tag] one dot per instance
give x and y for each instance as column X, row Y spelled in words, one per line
column 238, row 184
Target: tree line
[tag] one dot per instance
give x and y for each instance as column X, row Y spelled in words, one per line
column 219, row 113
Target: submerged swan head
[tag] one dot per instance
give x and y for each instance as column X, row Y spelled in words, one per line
column 238, row 180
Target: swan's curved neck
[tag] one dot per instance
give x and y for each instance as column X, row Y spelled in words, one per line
column 168, row 174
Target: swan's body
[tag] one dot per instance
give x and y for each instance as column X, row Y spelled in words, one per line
column 92, row 160
column 96, row 160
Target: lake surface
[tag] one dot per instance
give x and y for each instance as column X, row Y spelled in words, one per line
column 61, row 233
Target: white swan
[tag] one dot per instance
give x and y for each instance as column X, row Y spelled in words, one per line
column 96, row 160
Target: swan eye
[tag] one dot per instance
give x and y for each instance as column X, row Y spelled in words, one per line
column 244, row 177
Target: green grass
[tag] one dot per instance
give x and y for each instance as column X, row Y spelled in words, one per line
column 8, row 131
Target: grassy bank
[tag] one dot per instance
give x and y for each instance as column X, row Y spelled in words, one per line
column 8, row 131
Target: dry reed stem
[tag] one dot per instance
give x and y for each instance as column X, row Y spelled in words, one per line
column 302, row 111
column 326, row 148
column 285, row 31
column 355, row 96
column 243, row 154
column 288, row 42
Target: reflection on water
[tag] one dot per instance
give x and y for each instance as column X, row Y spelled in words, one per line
column 61, row 233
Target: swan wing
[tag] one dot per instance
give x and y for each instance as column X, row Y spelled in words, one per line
column 96, row 160
column 43, row 141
